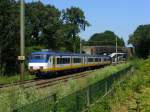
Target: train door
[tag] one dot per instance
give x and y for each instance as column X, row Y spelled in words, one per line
column 71, row 61
column 83, row 60
column 102, row 60
column 49, row 62
column 53, row 62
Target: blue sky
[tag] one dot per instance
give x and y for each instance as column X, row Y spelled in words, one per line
column 120, row 16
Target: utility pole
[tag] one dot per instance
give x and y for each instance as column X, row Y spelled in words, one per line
column 21, row 58
column 0, row 60
column 80, row 45
column 116, row 50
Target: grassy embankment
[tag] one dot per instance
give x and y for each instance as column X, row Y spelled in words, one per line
column 16, row 97
column 135, row 90
column 15, row 78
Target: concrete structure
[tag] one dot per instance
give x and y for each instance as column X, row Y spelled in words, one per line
column 97, row 50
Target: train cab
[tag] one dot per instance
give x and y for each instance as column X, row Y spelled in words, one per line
column 39, row 60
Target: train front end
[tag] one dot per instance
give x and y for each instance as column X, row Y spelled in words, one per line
column 38, row 62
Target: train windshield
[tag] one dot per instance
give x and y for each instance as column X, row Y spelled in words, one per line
column 38, row 57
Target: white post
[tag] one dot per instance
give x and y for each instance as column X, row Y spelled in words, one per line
column 116, row 50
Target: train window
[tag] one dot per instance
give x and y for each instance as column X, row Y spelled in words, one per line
column 96, row 59
column 76, row 60
column 90, row 60
column 58, row 60
column 63, row 60
column 67, row 60
column 39, row 57
column 109, row 59
column 99, row 59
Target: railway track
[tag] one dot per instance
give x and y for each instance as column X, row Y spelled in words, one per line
column 62, row 79
column 42, row 83
column 16, row 83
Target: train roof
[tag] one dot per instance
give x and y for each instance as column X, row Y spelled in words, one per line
column 52, row 53
column 113, row 54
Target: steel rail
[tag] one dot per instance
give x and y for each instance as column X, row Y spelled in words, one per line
column 41, row 83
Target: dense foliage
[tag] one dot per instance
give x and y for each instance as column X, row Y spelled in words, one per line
column 140, row 39
column 136, row 88
column 45, row 27
column 75, row 19
column 9, row 36
column 106, row 38
column 131, row 91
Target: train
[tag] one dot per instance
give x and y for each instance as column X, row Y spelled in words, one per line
column 47, row 63
column 118, row 57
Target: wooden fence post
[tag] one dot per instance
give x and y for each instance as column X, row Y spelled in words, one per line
column 55, row 103
column 88, row 99
column 77, row 101
column 138, row 105
column 106, row 88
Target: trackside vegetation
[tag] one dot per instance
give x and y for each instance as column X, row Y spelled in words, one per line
column 132, row 95
column 15, row 78
column 63, row 89
column 16, row 97
column 140, row 39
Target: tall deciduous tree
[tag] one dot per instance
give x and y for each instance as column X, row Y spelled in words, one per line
column 42, row 24
column 140, row 39
column 106, row 38
column 75, row 19
column 9, row 36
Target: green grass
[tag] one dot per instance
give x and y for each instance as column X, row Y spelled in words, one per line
column 136, row 88
column 15, row 97
column 15, row 78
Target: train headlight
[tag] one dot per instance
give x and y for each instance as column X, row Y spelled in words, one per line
column 31, row 67
column 41, row 67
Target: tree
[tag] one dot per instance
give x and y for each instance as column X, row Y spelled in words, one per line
column 140, row 39
column 9, row 36
column 75, row 19
column 42, row 25
column 106, row 38
column 41, row 29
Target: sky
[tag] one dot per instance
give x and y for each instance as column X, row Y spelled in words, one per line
column 119, row 16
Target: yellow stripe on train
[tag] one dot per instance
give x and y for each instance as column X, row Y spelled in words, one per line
column 69, row 67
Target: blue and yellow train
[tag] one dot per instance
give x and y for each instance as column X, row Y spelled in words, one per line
column 48, row 62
